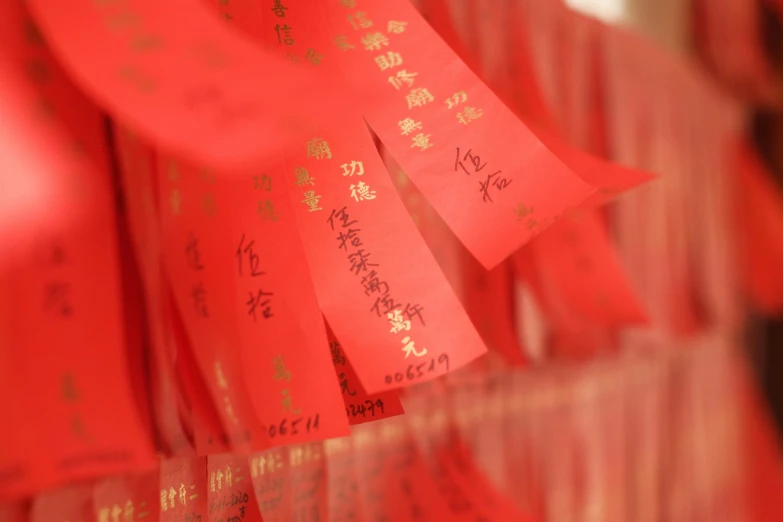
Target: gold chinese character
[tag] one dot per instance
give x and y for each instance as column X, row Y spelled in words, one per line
column 183, row 494
column 164, row 500
column 281, row 374
column 359, row 20
column 522, row 211
column 348, row 4
column 318, row 148
column 408, row 125
column 398, row 322
column 311, row 200
column 288, row 404
column 103, row 514
column 362, row 192
column 128, row 511
column 303, row 177
column 374, row 41
column 341, row 41
column 455, row 99
column 402, row 77
column 172, row 497
column 212, row 482
column 313, row 57
column 469, row 114
column 262, row 182
column 410, row 349
column 389, row 60
column 208, row 204
column 228, row 476
column 219, row 476
column 266, row 210
column 116, row 511
column 355, row 167
column 295, row 454
column 422, row 141
column 254, row 467
column 418, row 97
column 396, row 27
column 220, row 377
column 229, row 409
column 175, row 201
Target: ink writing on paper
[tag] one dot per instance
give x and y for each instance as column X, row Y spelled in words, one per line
column 490, row 181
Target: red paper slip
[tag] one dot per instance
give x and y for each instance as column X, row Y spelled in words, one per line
column 176, row 75
column 283, row 340
column 344, row 501
column 579, row 256
column 132, row 498
column 198, row 260
column 136, row 169
column 359, row 406
column 183, row 489
column 487, row 175
column 231, row 495
column 308, row 476
column 272, row 484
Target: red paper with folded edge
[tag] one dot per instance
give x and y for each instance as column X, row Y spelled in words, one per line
column 182, row 80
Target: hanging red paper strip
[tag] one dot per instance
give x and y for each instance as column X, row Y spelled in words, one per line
column 272, row 484
column 77, row 394
column 131, row 498
column 183, row 489
column 139, row 188
column 309, row 482
column 199, row 264
column 230, row 489
column 282, row 334
column 178, row 77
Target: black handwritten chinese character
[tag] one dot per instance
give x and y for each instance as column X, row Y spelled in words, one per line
column 475, row 160
column 279, row 9
column 337, row 355
column 414, row 310
column 359, row 261
column 199, row 295
column 341, row 215
column 351, row 236
column 253, row 259
column 384, row 304
column 499, row 183
column 373, row 284
column 57, row 298
column 192, row 252
column 258, row 300
column 344, row 385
